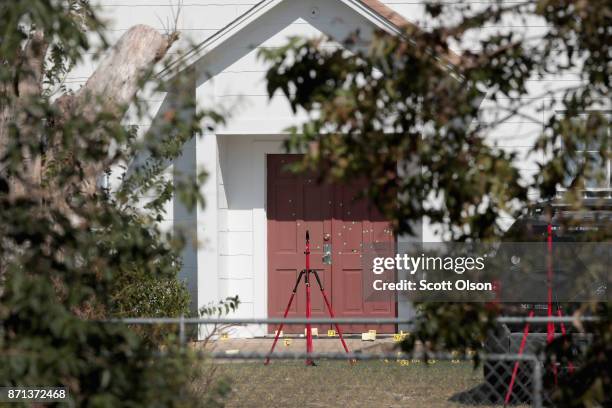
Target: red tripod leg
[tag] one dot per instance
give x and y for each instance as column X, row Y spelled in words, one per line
column 516, row 364
column 550, row 327
column 280, row 327
column 331, row 311
column 309, row 347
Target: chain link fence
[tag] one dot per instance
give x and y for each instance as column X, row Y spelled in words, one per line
column 510, row 371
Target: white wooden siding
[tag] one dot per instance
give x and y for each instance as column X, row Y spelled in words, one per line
column 232, row 258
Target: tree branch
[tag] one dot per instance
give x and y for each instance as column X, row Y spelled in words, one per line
column 114, row 84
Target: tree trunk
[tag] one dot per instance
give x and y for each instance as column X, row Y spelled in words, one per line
column 114, row 84
column 109, row 90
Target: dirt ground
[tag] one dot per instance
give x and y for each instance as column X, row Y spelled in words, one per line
column 383, row 344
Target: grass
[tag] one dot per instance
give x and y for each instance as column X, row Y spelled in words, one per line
column 333, row 383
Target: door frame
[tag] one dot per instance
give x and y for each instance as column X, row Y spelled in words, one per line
column 261, row 148
column 260, row 219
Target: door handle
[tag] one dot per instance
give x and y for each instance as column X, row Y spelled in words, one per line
column 327, row 254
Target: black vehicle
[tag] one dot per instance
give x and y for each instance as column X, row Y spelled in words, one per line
column 590, row 223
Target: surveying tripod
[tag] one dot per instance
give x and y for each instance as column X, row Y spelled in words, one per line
column 550, row 327
column 306, row 274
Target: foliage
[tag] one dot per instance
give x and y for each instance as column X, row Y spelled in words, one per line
column 589, row 385
column 407, row 102
column 451, row 327
column 413, row 114
column 135, row 292
column 223, row 307
column 72, row 253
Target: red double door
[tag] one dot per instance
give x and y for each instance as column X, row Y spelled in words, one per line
column 332, row 215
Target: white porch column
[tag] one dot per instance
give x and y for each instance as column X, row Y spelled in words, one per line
column 185, row 222
column 200, row 225
column 207, row 158
column 405, row 308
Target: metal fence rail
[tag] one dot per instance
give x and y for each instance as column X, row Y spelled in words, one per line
column 339, row 320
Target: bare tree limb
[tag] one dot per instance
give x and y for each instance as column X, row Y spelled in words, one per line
column 114, row 84
column 109, row 90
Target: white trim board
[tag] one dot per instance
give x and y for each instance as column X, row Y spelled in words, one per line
column 216, row 40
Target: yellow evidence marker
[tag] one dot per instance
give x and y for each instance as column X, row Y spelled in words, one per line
column 287, row 342
column 401, row 336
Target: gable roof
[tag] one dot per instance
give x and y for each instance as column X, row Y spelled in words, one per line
column 376, row 12
column 388, row 13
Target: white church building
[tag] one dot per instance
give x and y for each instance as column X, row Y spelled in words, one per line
column 250, row 233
